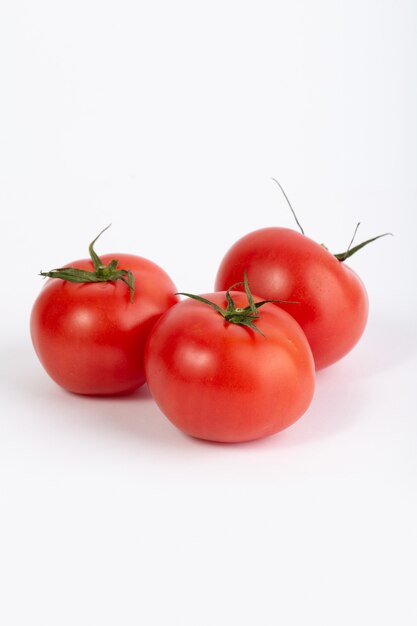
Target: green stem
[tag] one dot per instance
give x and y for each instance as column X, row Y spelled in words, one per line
column 289, row 204
column 102, row 273
column 237, row 315
column 342, row 256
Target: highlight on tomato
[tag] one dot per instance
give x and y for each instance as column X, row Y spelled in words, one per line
column 229, row 366
column 90, row 322
column 283, row 264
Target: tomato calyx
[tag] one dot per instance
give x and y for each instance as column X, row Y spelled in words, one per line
column 342, row 256
column 243, row 316
column 101, row 273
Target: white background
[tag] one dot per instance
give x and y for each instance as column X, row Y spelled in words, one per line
column 168, row 120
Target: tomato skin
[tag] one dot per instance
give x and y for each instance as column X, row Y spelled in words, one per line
column 89, row 337
column 223, row 382
column 286, row 265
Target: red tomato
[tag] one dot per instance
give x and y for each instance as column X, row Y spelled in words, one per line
column 286, row 265
column 90, row 337
column 221, row 381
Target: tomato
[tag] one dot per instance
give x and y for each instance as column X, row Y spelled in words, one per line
column 220, row 380
column 90, row 337
column 284, row 264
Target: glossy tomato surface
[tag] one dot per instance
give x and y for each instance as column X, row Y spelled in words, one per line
column 89, row 337
column 224, row 382
column 285, row 265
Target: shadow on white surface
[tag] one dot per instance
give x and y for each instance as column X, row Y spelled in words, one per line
column 33, row 397
column 344, row 393
column 137, row 418
column 136, row 415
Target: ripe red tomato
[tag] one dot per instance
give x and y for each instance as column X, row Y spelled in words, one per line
column 90, row 337
column 222, row 381
column 284, row 264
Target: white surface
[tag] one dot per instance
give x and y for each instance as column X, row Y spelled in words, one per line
column 168, row 118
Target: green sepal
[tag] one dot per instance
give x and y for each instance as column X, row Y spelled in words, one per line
column 249, row 296
column 236, row 315
column 74, row 275
column 214, row 306
column 102, row 273
column 342, row 256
